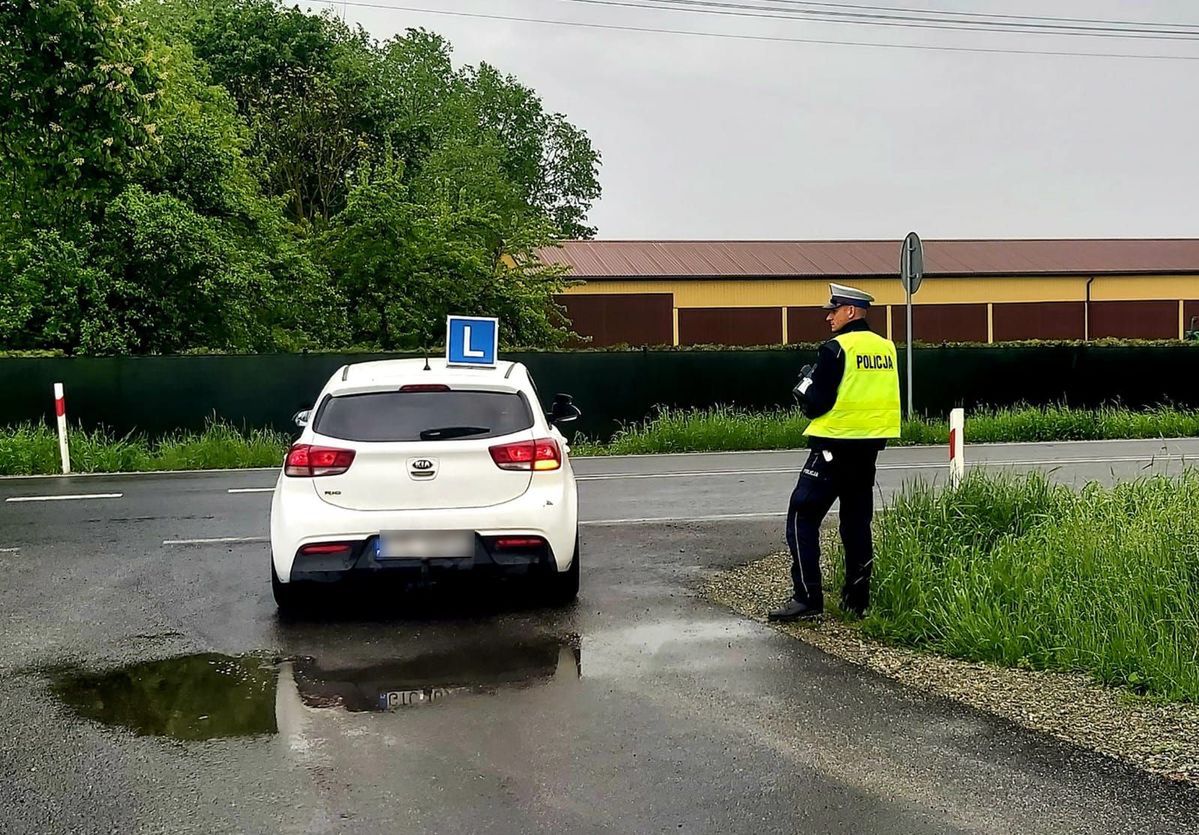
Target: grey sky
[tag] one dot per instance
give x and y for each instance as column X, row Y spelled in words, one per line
column 713, row 138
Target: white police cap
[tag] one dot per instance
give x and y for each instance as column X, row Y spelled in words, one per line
column 840, row 296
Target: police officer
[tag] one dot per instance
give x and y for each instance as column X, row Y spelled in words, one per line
column 852, row 397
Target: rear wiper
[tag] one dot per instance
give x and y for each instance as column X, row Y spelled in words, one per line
column 446, row 432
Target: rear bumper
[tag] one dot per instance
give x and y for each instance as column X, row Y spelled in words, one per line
column 548, row 509
column 363, row 561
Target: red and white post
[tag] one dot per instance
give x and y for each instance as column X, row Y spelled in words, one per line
column 60, row 409
column 957, row 446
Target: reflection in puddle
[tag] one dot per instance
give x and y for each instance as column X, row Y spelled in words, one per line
column 426, row 679
column 194, row 697
column 210, row 696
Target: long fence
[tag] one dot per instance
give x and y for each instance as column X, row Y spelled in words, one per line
column 156, row 395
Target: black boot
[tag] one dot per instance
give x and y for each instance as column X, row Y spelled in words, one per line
column 854, row 611
column 796, row 610
column 854, row 605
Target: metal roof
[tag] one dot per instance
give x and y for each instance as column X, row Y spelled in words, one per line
column 864, row 259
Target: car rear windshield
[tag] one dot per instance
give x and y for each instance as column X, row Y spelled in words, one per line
column 423, row 415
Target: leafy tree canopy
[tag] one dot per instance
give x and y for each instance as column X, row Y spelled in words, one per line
column 236, row 175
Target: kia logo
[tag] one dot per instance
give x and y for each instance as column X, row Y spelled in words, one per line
column 422, row 469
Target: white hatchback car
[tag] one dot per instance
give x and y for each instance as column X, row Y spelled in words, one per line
column 417, row 466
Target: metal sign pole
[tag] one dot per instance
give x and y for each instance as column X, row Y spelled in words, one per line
column 909, row 336
column 911, row 273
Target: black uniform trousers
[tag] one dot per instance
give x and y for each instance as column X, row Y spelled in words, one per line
column 846, row 473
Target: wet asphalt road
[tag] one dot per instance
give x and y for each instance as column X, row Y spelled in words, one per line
column 641, row 709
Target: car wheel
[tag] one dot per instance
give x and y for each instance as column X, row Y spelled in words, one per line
column 290, row 598
column 562, row 587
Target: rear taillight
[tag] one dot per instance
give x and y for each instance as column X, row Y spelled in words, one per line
column 308, row 461
column 424, row 387
column 519, row 543
column 541, row 455
column 326, row 549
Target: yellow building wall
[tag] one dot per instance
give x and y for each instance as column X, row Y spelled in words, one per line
column 808, row 293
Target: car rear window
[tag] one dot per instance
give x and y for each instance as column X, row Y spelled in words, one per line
column 423, row 415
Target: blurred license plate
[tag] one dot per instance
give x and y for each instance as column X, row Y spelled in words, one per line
column 426, row 545
column 411, row 698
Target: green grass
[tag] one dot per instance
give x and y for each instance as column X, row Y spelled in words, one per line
column 1017, row 571
column 726, row 429
column 32, row 449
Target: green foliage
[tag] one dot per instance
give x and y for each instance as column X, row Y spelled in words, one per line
column 32, row 449
column 54, row 296
column 178, row 279
column 411, row 253
column 256, row 48
column 77, row 111
column 204, row 175
column 1019, row 571
column 550, row 160
column 727, row 429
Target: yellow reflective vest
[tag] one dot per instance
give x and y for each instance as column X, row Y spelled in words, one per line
column 867, row 404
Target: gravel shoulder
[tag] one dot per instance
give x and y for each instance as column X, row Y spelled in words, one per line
column 1159, row 737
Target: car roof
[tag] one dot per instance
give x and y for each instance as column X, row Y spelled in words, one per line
column 364, row 376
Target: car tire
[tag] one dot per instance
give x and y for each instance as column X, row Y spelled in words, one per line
column 290, row 598
column 562, row 587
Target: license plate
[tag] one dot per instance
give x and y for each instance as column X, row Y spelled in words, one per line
column 426, row 545
column 395, row 699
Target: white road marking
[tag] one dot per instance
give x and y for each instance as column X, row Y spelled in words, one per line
column 923, row 465
column 1123, row 459
column 658, row 519
column 686, row 474
column 220, row 540
column 250, row 490
column 64, row 498
column 913, row 447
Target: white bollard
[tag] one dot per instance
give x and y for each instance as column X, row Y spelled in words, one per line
column 957, row 446
column 60, row 409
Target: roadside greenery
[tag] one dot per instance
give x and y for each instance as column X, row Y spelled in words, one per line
column 32, row 449
column 1018, row 571
column 237, row 175
column 727, row 429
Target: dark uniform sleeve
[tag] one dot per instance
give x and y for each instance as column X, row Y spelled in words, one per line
column 826, row 378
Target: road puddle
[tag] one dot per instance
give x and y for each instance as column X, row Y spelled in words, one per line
column 210, row 696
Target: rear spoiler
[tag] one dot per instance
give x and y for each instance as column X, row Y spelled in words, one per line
column 381, row 386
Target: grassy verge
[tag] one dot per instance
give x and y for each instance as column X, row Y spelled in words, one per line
column 33, row 450
column 1021, row 572
column 725, row 429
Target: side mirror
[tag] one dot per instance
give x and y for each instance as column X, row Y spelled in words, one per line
column 563, row 410
column 301, row 418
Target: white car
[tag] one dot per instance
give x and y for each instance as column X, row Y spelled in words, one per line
column 417, row 466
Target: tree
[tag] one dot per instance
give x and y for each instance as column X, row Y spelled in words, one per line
column 203, row 161
column 255, row 48
column 231, row 174
column 201, row 155
column 552, row 161
column 302, row 83
column 417, row 97
column 176, row 279
column 79, row 84
column 410, row 254
column 54, row 297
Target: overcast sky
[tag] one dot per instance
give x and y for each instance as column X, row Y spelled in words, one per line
column 718, row 138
